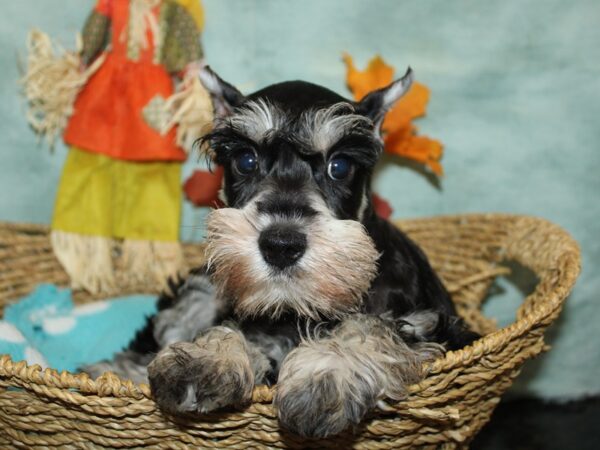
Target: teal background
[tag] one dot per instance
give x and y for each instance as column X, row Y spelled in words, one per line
column 515, row 99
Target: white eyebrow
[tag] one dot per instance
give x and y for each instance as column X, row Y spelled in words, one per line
column 326, row 126
column 319, row 128
column 257, row 119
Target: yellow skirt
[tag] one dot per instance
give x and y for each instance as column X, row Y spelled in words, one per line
column 101, row 196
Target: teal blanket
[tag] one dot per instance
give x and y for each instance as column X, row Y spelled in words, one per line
column 46, row 328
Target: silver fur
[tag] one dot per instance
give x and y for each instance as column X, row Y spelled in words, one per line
column 420, row 324
column 329, row 383
column 219, row 368
column 257, row 120
column 319, row 129
column 194, row 311
column 397, row 90
column 324, row 127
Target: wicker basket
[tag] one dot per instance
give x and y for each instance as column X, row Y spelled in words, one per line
column 43, row 408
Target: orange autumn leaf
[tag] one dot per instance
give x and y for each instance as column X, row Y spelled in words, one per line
column 377, row 75
column 399, row 133
column 412, row 106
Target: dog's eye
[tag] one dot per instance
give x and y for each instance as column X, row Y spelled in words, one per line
column 246, row 162
column 339, row 168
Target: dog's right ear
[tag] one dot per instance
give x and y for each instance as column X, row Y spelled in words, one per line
column 225, row 96
column 377, row 103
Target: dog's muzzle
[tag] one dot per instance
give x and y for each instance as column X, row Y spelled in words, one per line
column 282, row 246
column 265, row 265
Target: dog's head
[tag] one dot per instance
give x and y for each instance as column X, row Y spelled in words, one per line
column 298, row 160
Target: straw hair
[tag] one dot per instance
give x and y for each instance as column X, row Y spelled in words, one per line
column 142, row 22
column 51, row 83
column 45, row 409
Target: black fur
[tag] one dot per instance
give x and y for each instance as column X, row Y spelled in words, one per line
column 407, row 283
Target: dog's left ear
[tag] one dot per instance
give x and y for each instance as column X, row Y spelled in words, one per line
column 225, row 96
column 375, row 104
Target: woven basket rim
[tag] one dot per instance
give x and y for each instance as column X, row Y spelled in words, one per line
column 109, row 385
column 571, row 262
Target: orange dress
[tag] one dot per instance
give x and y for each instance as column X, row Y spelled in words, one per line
column 109, row 111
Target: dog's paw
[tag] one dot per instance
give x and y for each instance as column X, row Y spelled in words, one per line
column 321, row 392
column 208, row 374
column 320, row 406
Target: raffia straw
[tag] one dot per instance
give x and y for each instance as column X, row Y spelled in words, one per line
column 87, row 260
column 191, row 110
column 151, row 263
column 53, row 79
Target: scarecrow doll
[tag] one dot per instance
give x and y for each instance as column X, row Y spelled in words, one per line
column 137, row 107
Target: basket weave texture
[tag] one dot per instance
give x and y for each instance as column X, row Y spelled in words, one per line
column 44, row 408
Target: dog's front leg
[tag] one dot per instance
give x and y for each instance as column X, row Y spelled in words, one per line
column 218, row 369
column 328, row 384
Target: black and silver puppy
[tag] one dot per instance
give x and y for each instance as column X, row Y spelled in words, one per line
column 304, row 285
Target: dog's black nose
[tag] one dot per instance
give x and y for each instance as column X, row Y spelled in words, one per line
column 282, row 247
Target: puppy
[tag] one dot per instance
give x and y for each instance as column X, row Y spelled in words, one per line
column 304, row 286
